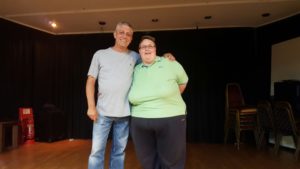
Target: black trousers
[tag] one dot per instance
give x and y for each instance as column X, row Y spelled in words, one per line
column 160, row 143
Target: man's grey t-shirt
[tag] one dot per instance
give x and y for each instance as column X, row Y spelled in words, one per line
column 114, row 73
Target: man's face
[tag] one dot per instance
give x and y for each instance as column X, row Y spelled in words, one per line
column 123, row 35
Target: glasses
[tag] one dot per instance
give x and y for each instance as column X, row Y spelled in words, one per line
column 147, row 47
column 122, row 33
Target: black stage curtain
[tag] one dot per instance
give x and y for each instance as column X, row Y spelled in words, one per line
column 38, row 68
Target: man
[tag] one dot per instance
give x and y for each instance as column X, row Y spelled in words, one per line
column 113, row 67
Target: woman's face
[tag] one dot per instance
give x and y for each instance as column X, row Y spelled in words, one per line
column 147, row 51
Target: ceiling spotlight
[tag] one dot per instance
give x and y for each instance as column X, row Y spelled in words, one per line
column 265, row 14
column 102, row 23
column 154, row 20
column 53, row 24
column 207, row 17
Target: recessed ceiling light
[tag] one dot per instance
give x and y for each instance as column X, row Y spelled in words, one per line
column 102, row 23
column 154, row 20
column 265, row 14
column 207, row 17
column 53, row 24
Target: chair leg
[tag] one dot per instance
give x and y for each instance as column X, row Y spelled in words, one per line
column 237, row 137
column 273, row 134
column 237, row 130
column 225, row 133
column 297, row 148
column 260, row 139
column 278, row 138
column 257, row 137
column 226, row 129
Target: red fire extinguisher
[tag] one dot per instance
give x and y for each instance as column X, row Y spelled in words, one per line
column 27, row 124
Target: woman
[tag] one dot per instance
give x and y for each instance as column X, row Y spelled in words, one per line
column 158, row 124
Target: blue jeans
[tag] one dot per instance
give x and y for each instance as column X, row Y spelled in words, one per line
column 101, row 129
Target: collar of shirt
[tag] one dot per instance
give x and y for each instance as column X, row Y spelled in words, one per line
column 157, row 59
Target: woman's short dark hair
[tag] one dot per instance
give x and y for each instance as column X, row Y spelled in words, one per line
column 147, row 37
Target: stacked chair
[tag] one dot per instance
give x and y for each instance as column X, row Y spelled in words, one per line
column 286, row 125
column 265, row 122
column 239, row 117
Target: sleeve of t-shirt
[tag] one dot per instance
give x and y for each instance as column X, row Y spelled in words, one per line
column 182, row 77
column 139, row 59
column 94, row 67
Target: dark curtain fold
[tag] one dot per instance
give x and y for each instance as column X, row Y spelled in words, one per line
column 16, row 69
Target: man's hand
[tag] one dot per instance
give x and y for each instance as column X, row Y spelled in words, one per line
column 93, row 114
column 169, row 56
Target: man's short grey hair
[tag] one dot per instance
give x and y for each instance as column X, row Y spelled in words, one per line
column 123, row 23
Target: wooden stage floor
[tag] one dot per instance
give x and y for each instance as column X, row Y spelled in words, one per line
column 73, row 154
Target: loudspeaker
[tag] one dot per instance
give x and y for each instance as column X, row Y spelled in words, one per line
column 50, row 124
